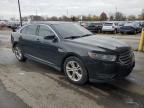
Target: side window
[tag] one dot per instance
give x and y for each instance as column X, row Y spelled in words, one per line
column 24, row 30
column 45, row 31
column 30, row 30
column 116, row 24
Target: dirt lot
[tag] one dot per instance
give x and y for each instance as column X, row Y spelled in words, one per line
column 35, row 85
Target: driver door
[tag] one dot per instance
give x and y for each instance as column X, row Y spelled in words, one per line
column 48, row 49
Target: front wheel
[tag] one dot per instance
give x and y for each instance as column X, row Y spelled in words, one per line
column 18, row 53
column 75, row 71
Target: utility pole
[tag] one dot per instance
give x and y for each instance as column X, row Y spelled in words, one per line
column 36, row 12
column 20, row 12
column 116, row 13
column 67, row 12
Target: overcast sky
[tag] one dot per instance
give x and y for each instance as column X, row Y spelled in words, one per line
column 8, row 8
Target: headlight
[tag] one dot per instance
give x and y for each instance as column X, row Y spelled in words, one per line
column 102, row 56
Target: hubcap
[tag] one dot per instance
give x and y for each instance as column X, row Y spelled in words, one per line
column 74, row 70
column 18, row 53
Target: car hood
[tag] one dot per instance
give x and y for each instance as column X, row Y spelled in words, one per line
column 101, row 41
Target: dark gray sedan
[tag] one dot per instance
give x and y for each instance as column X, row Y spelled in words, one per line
column 71, row 48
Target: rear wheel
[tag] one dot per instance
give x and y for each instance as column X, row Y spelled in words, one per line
column 99, row 31
column 18, row 53
column 115, row 31
column 75, row 71
column 135, row 32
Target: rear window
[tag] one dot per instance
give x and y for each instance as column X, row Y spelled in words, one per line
column 129, row 24
column 108, row 24
column 92, row 24
column 95, row 24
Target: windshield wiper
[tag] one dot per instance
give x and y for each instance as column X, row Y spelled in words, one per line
column 72, row 37
column 86, row 35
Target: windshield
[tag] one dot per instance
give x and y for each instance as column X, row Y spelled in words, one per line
column 71, row 30
column 130, row 24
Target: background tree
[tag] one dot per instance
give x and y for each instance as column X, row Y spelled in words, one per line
column 36, row 18
column 73, row 18
column 13, row 19
column 120, row 16
column 111, row 17
column 103, row 16
column 95, row 18
column 142, row 14
column 54, row 18
column 65, row 18
column 85, row 18
column 25, row 18
column 131, row 17
column 89, row 17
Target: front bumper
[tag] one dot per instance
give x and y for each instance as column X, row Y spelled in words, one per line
column 106, row 72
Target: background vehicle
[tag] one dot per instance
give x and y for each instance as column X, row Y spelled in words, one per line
column 95, row 27
column 13, row 25
column 110, row 27
column 142, row 24
column 138, row 26
column 84, row 24
column 132, row 27
column 71, row 48
column 2, row 24
column 120, row 24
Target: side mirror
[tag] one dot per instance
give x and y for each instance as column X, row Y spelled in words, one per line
column 13, row 29
column 52, row 37
column 49, row 37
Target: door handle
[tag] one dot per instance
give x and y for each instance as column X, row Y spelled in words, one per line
column 38, row 40
column 20, row 37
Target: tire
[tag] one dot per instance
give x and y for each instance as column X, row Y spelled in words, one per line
column 122, row 33
column 135, row 32
column 99, row 31
column 115, row 31
column 75, row 71
column 18, row 53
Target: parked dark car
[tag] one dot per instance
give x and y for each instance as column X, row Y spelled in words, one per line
column 71, row 48
column 132, row 28
column 120, row 24
column 14, row 26
column 142, row 24
column 95, row 27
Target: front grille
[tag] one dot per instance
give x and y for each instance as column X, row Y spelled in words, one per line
column 126, row 57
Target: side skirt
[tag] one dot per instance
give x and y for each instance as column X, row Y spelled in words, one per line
column 42, row 61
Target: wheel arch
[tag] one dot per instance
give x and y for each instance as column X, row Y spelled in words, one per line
column 71, row 55
column 14, row 44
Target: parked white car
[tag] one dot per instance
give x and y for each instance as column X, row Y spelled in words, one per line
column 110, row 27
column 2, row 23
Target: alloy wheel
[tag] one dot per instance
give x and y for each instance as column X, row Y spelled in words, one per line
column 74, row 70
column 18, row 53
